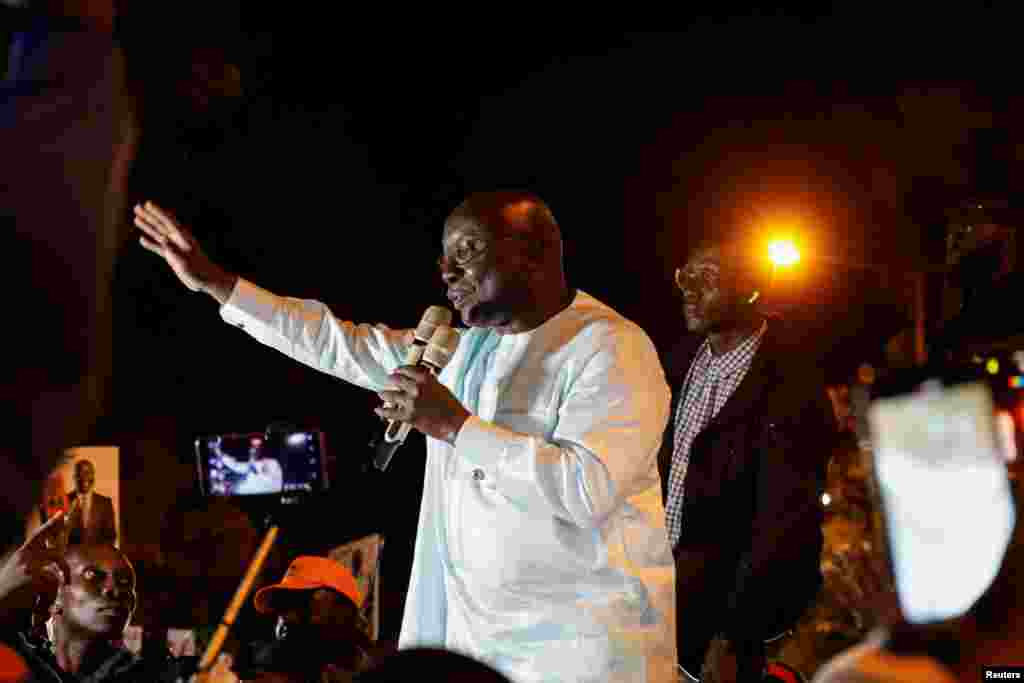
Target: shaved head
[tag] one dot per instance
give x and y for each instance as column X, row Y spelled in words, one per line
column 99, row 595
column 88, row 552
column 511, row 213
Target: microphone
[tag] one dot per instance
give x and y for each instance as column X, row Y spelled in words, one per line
column 433, row 319
column 434, row 356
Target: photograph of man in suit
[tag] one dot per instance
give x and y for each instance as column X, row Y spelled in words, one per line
column 94, row 521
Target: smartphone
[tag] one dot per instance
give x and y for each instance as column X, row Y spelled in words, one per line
column 260, row 464
column 945, row 495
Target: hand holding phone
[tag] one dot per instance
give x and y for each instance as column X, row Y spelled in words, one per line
column 947, row 503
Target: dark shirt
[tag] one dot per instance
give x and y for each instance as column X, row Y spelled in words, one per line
column 306, row 656
column 116, row 665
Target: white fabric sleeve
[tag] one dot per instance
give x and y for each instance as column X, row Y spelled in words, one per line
column 234, row 465
column 307, row 331
column 604, row 447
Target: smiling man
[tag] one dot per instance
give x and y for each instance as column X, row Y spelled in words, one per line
column 541, row 547
column 743, row 462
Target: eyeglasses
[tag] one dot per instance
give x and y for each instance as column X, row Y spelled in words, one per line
column 697, row 278
column 467, row 253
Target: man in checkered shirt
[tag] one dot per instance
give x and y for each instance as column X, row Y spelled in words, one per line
column 743, row 465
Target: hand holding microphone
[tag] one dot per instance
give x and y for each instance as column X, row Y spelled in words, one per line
column 419, row 400
column 434, row 319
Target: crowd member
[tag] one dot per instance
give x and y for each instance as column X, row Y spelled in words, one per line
column 29, row 574
column 319, row 626
column 38, row 565
column 743, row 462
column 541, row 527
column 95, row 600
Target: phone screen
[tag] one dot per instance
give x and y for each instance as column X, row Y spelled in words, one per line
column 253, row 464
column 947, row 502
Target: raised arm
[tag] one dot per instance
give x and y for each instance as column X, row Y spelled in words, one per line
column 38, row 561
column 303, row 329
column 169, row 239
column 237, row 466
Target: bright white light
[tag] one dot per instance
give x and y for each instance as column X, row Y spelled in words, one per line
column 826, row 499
column 783, row 253
column 296, row 439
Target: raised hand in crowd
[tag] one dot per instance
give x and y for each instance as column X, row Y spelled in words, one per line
column 39, row 560
column 166, row 237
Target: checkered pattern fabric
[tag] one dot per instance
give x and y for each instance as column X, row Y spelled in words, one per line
column 709, row 383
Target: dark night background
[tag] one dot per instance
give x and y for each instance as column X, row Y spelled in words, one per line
column 331, row 175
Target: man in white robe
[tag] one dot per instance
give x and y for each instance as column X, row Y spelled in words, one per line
column 541, row 547
column 260, row 474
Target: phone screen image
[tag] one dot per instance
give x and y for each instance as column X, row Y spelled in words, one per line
column 948, row 507
column 252, row 464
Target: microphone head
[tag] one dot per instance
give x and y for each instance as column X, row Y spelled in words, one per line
column 433, row 318
column 441, row 348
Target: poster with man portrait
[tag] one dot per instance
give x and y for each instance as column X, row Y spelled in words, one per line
column 362, row 558
column 86, row 481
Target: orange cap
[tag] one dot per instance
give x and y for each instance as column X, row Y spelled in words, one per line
column 308, row 572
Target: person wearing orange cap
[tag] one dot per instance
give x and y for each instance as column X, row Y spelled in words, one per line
column 319, row 625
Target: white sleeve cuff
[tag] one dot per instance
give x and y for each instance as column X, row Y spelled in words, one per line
column 248, row 303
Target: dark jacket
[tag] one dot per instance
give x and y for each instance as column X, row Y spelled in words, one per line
column 118, row 666
column 102, row 524
column 747, row 562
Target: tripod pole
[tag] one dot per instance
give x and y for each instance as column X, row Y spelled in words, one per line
column 241, row 593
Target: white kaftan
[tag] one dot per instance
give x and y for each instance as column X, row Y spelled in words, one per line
column 541, row 546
